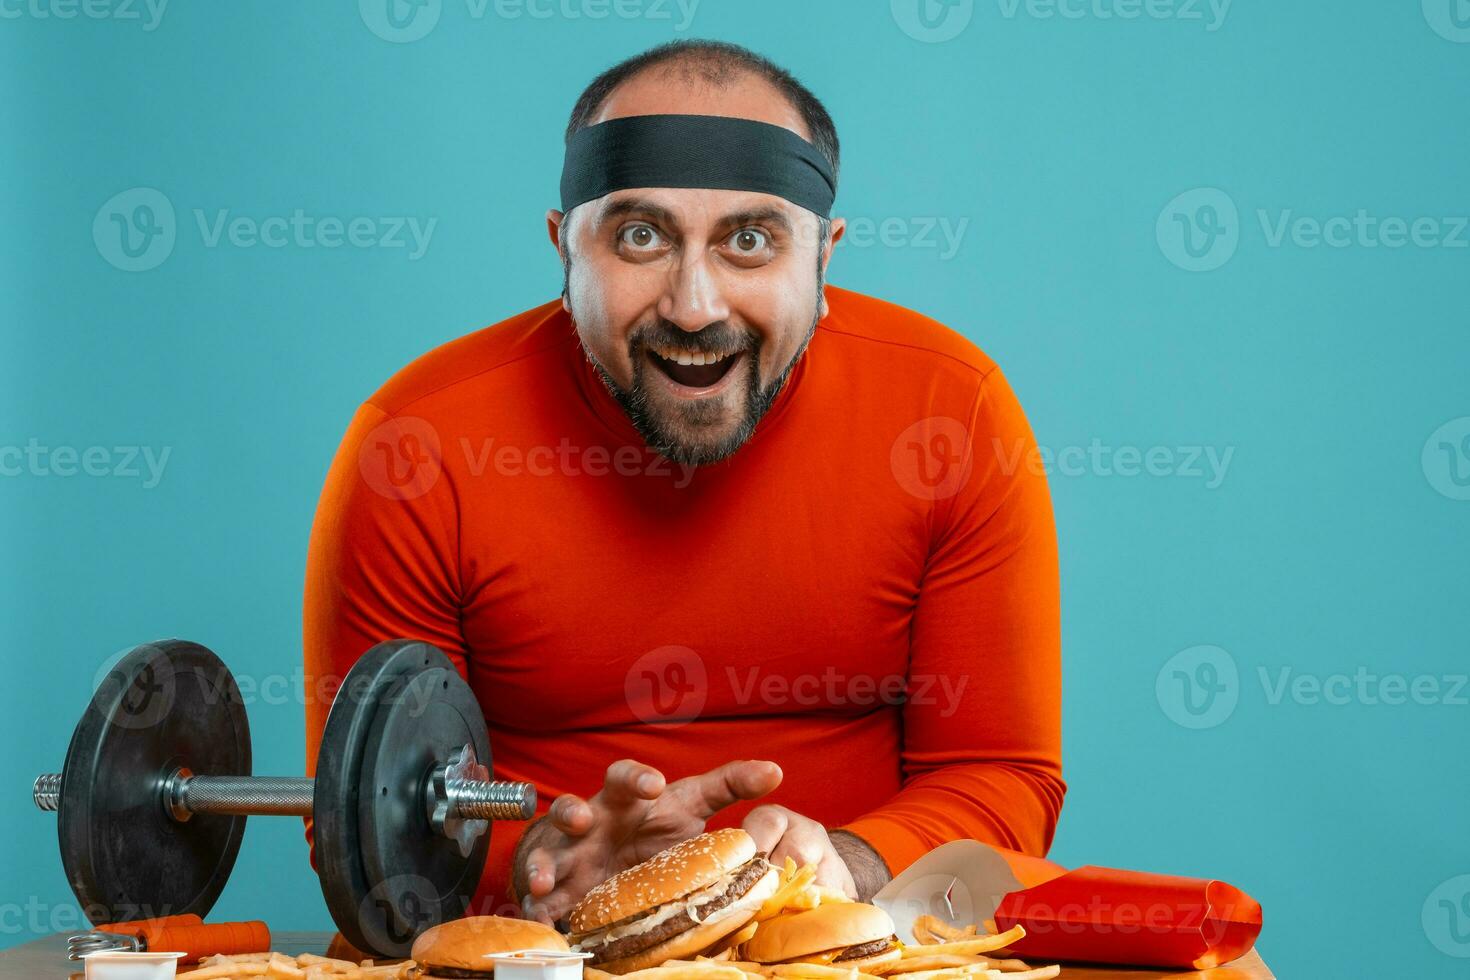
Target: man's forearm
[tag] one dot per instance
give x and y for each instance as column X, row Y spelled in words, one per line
column 868, row 869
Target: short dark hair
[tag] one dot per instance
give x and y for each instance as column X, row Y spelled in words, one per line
column 717, row 63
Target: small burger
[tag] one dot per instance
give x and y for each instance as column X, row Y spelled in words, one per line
column 463, row 947
column 843, row 934
column 678, row 903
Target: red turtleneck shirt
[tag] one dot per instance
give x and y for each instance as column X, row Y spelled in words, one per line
column 885, row 530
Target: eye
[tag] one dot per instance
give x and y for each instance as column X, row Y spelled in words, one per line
column 640, row 237
column 749, row 241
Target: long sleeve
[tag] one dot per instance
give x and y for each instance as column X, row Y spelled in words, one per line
column 382, row 560
column 981, row 752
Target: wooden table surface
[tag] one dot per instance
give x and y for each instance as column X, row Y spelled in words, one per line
column 46, row 958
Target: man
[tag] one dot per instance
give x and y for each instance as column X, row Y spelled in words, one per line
column 706, row 507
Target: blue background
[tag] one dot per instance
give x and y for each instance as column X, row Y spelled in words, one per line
column 1329, row 546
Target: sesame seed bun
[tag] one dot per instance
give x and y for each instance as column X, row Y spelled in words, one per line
column 670, row 874
column 827, row 927
column 694, row 941
column 467, row 944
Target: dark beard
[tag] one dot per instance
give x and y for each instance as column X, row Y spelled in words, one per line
column 662, row 438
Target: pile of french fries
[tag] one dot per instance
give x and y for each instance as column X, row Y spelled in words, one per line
column 942, row 951
column 279, row 966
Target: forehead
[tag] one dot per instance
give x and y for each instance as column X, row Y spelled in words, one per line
column 661, row 90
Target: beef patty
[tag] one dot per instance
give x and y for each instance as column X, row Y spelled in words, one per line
column 745, row 878
column 866, row 949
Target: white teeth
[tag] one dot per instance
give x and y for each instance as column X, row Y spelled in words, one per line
column 686, row 358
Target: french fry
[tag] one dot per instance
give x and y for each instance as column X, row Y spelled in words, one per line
column 774, row 905
column 807, row 898
column 337, row 966
column 1042, row 973
column 383, row 972
column 972, row 970
column 698, row 972
column 228, row 971
column 930, row 929
column 593, row 973
column 935, row 962
column 283, row 967
column 813, row 971
column 922, row 935
column 817, row 971
column 981, row 944
column 730, row 942
column 830, row 894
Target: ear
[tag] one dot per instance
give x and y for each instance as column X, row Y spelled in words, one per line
column 554, row 219
column 839, row 227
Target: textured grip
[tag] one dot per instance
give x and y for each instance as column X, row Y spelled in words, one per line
column 138, row 926
column 199, row 941
column 283, row 796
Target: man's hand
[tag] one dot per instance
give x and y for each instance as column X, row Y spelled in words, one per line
column 784, row 833
column 581, row 843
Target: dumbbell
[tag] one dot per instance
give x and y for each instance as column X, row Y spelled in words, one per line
column 152, row 800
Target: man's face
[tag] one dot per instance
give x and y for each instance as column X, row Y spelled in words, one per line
column 659, row 277
column 694, row 305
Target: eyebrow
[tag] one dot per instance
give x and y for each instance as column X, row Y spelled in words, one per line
column 627, row 206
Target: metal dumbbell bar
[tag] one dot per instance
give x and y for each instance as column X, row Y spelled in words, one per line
column 185, row 794
column 152, row 800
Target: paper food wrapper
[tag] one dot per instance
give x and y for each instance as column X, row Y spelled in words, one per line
column 1090, row 914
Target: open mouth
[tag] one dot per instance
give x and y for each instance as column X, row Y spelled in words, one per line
column 694, row 371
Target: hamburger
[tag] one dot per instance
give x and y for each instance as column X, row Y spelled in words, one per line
column 677, row 903
column 842, row 934
column 463, row 947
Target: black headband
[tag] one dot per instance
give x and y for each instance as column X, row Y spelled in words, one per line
column 714, row 152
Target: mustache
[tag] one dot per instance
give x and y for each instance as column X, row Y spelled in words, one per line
column 716, row 338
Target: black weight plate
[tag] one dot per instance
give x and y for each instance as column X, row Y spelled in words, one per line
column 339, row 763
column 165, row 705
column 419, row 876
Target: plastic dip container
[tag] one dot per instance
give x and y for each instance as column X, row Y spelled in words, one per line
column 538, row 964
column 122, row 965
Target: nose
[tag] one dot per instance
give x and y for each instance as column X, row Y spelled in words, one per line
column 693, row 298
